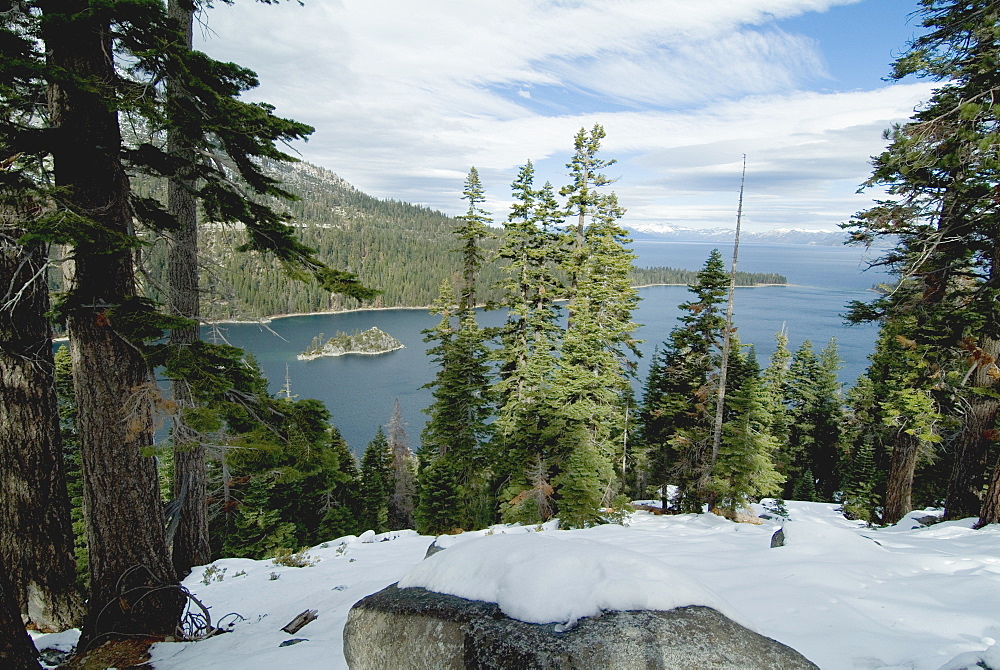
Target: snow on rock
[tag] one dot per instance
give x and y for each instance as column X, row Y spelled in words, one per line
column 975, row 660
column 810, row 536
column 545, row 578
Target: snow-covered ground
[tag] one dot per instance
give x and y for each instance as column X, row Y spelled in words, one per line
column 844, row 595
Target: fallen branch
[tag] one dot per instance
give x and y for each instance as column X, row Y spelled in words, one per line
column 296, row 624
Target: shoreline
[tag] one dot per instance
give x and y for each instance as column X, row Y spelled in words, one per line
column 264, row 320
column 312, row 357
column 269, row 319
column 737, row 286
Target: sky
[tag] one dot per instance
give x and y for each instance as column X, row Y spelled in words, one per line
column 406, row 97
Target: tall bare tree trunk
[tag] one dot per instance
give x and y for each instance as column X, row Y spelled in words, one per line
column 190, row 538
column 969, row 472
column 36, row 534
column 133, row 588
column 727, row 343
column 899, row 487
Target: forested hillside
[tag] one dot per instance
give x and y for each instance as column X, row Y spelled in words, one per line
column 400, row 249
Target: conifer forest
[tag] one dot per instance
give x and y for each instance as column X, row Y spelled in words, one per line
column 142, row 195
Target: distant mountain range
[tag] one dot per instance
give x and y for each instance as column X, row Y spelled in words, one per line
column 725, row 235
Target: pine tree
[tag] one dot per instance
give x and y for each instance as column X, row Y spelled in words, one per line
column 77, row 51
column 744, row 471
column 473, row 228
column 861, row 498
column 404, row 474
column 774, row 381
column 458, row 431
column 676, row 414
column 591, row 390
column 288, row 473
column 341, row 506
column 827, row 456
column 812, row 452
column 897, row 423
column 189, row 544
column 940, row 171
column 583, row 198
column 376, row 484
column 440, row 509
column 531, row 247
column 112, row 380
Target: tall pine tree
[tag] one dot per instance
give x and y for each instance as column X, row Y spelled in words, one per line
column 455, row 438
column 677, row 411
column 376, row 484
column 940, row 171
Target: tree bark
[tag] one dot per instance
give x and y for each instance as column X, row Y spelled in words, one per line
column 36, row 534
column 17, row 651
column 899, row 487
column 969, row 472
column 133, row 589
column 990, row 510
column 189, row 543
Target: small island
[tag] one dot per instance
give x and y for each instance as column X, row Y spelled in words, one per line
column 371, row 341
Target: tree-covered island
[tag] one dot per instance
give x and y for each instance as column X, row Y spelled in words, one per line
column 371, row 341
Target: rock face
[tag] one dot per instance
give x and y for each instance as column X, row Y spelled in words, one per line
column 416, row 629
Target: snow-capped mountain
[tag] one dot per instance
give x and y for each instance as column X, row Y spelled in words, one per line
column 723, row 235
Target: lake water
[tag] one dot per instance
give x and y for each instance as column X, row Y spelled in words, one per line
column 360, row 390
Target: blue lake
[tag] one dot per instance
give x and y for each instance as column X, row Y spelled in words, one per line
column 360, row 390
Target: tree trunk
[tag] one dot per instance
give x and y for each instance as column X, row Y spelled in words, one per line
column 190, row 539
column 990, row 510
column 36, row 534
column 17, row 651
column 968, row 475
column 899, row 487
column 133, row 588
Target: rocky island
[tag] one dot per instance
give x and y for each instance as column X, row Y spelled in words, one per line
column 371, row 341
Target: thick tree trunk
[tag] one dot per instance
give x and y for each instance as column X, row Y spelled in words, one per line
column 969, row 472
column 133, row 588
column 36, row 534
column 17, row 651
column 899, row 487
column 190, row 538
column 36, row 537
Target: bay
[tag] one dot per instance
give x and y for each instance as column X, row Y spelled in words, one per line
column 360, row 390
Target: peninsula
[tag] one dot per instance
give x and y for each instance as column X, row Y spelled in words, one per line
column 371, row 341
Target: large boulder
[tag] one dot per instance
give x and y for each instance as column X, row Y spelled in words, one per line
column 416, row 628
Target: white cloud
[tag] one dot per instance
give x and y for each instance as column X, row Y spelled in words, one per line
column 405, row 97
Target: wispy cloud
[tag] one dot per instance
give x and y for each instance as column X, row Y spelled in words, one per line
column 405, row 97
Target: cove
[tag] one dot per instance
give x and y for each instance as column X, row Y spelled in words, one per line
column 360, row 390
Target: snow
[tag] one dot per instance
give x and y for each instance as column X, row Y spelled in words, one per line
column 844, row 595
column 558, row 578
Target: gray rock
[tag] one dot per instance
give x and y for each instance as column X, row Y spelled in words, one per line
column 778, row 539
column 418, row 629
column 433, row 549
